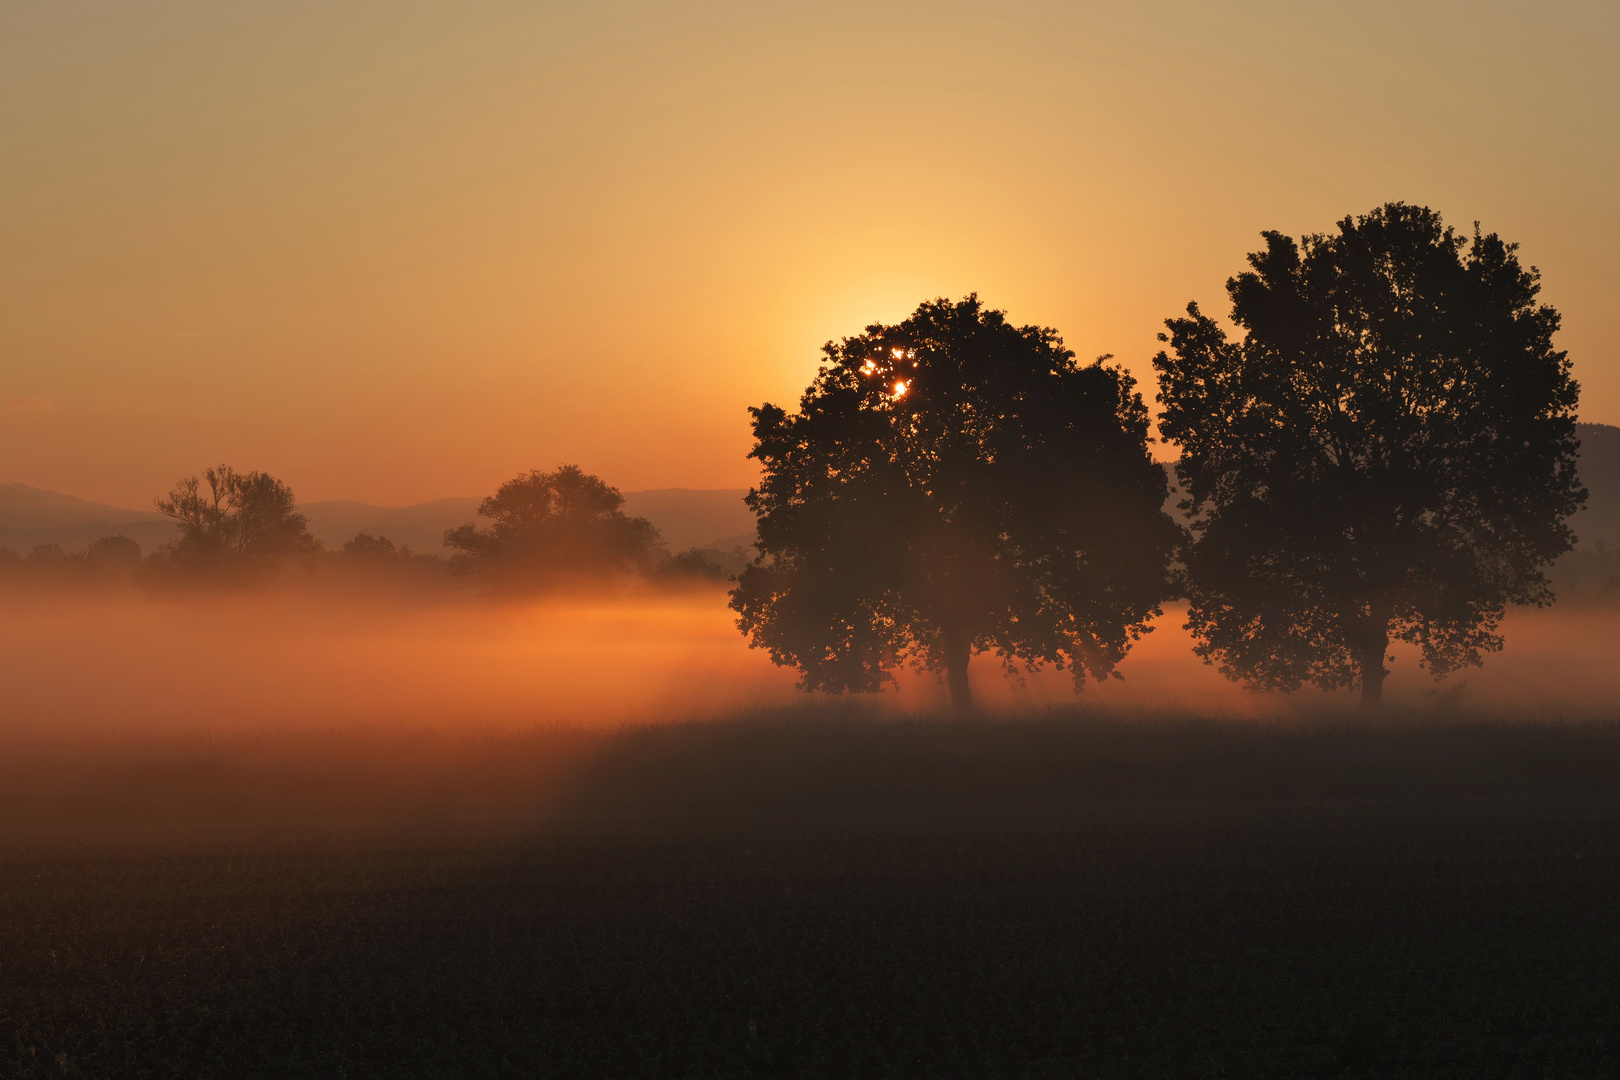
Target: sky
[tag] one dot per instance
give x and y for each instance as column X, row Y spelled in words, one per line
column 401, row 251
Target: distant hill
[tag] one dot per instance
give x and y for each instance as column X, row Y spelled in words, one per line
column 421, row 526
column 30, row 516
column 687, row 517
column 24, row 507
column 695, row 517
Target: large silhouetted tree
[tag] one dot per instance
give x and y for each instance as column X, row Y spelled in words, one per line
column 236, row 520
column 1389, row 452
column 949, row 485
column 552, row 528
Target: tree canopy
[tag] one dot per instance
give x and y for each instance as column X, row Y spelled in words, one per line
column 552, row 528
column 950, row 485
column 236, row 520
column 1388, row 452
column 113, row 554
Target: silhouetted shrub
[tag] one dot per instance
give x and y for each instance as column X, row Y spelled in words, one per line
column 113, row 554
column 694, row 564
column 554, row 528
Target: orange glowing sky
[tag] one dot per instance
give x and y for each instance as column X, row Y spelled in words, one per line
column 396, row 251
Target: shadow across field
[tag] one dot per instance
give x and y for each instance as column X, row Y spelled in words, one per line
column 842, row 762
column 421, row 784
column 820, row 894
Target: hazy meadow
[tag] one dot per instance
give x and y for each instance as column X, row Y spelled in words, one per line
column 282, row 835
column 412, row 417
column 353, row 705
column 303, row 658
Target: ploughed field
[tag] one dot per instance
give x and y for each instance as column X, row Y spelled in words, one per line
column 821, row 894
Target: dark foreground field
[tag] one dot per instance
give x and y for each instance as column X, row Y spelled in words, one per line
column 802, row 895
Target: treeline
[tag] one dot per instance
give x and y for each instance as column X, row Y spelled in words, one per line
column 546, row 531
column 1384, row 452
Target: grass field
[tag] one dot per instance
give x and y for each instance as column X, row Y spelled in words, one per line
column 820, row 893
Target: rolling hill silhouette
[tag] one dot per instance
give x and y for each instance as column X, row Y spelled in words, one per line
column 30, row 516
column 687, row 517
column 421, row 526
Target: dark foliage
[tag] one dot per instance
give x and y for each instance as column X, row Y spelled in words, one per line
column 951, row 485
column 704, row 565
column 107, row 560
column 693, row 564
column 231, row 521
column 113, row 554
column 1590, row 572
column 1389, row 452
column 370, row 548
column 373, row 565
column 49, row 556
column 553, row 528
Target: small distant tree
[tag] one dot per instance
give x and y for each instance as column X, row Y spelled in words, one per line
column 955, row 484
column 693, row 565
column 231, row 519
column 555, row 528
column 50, row 557
column 375, row 549
column 113, row 554
column 1388, row 453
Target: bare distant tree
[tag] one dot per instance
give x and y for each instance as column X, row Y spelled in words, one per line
column 227, row 518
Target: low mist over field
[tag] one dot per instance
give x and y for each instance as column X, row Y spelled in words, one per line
column 422, row 714
column 92, row 642
column 299, row 659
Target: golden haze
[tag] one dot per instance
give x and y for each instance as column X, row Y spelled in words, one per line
column 300, row 659
column 396, row 252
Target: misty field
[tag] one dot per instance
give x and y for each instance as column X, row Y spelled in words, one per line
column 821, row 892
column 289, row 836
column 320, row 657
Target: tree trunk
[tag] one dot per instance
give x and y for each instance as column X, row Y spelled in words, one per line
column 957, row 651
column 1373, row 670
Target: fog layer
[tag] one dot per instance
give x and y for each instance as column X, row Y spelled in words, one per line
column 241, row 662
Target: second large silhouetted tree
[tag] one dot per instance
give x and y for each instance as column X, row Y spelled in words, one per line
column 954, row 484
column 1389, row 452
